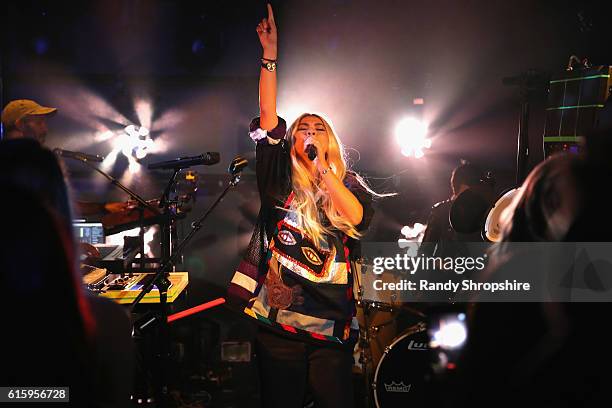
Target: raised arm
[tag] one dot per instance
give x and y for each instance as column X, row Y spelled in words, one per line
column 266, row 30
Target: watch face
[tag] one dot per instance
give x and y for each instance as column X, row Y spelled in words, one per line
column 271, row 66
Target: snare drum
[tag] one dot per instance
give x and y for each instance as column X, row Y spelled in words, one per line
column 402, row 372
column 491, row 230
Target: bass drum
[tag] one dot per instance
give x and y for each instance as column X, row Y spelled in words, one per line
column 491, row 230
column 402, row 372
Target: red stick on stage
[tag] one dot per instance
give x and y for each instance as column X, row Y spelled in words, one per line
column 196, row 309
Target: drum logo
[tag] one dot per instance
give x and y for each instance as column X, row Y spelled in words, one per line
column 417, row 346
column 397, row 387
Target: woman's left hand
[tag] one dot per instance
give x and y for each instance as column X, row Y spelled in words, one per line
column 321, row 163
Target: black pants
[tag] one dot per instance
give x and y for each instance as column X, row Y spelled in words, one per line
column 290, row 370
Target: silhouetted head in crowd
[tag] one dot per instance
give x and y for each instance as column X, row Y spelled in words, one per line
column 548, row 203
column 26, row 164
column 464, row 176
column 47, row 323
column 43, row 302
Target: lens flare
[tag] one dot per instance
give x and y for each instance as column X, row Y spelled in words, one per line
column 411, row 135
column 450, row 335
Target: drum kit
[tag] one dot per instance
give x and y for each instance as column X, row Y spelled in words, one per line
column 497, row 215
column 393, row 363
column 393, row 355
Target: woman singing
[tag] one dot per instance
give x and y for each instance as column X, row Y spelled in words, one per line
column 295, row 278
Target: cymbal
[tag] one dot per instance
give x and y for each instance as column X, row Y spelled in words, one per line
column 85, row 208
column 391, row 307
column 127, row 215
column 115, row 207
column 89, row 208
column 127, row 206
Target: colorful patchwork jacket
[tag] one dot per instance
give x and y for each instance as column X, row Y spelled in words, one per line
column 284, row 281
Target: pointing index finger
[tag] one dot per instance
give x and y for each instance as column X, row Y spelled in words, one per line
column 270, row 14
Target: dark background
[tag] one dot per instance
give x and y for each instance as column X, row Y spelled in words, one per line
column 194, row 65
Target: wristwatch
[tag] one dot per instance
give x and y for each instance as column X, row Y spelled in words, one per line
column 268, row 65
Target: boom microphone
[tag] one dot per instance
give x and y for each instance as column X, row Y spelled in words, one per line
column 206, row 159
column 78, row 155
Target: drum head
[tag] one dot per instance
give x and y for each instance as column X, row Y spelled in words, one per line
column 401, row 374
column 492, row 229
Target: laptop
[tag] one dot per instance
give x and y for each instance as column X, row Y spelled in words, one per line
column 89, row 232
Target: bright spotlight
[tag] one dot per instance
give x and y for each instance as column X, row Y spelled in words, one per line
column 135, row 142
column 411, row 135
column 140, row 153
column 411, row 235
column 131, row 130
column 450, row 335
column 413, row 232
column 133, row 166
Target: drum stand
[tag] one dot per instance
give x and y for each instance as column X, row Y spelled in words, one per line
column 365, row 354
column 366, row 333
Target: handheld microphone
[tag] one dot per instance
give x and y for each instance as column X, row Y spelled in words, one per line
column 311, row 151
column 78, row 155
column 207, row 159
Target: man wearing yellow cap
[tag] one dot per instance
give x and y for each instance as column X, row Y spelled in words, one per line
column 25, row 118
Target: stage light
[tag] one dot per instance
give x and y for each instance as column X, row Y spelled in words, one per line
column 198, row 47
column 135, row 143
column 133, row 166
column 124, row 143
column 450, row 335
column 41, row 45
column 131, row 130
column 413, row 233
column 140, row 153
column 411, row 135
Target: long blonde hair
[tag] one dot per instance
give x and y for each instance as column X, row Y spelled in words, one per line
column 309, row 193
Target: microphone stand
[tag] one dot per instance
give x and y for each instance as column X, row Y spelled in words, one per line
column 195, row 227
column 528, row 82
column 167, row 226
column 161, row 280
column 365, row 353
